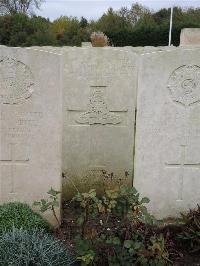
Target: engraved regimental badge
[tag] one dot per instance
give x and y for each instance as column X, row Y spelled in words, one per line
column 98, row 112
column 184, row 85
column 16, row 81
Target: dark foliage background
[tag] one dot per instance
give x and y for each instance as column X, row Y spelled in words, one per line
column 137, row 26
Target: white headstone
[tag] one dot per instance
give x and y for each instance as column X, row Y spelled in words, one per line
column 99, row 111
column 190, row 36
column 30, row 123
column 167, row 162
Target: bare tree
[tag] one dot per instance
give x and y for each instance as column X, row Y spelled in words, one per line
column 133, row 14
column 19, row 6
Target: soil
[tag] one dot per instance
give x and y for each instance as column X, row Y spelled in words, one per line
column 69, row 230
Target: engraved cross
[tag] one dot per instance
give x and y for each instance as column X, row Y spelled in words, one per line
column 12, row 162
column 182, row 165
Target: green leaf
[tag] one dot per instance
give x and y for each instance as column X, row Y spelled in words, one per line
column 44, row 202
column 82, row 246
column 44, row 209
column 92, row 194
column 134, row 190
column 143, row 210
column 131, row 251
column 36, row 203
column 137, row 245
column 80, row 220
column 145, row 200
column 103, row 237
column 53, row 192
column 116, row 241
column 128, row 243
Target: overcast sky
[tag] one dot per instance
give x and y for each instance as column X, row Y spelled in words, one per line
column 93, row 9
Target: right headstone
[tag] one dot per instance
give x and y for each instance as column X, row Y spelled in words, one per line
column 190, row 36
column 167, row 158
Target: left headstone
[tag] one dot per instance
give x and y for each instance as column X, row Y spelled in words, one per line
column 30, row 124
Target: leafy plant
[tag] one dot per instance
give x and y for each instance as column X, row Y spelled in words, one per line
column 21, row 247
column 118, row 225
column 85, row 251
column 123, row 202
column 88, row 203
column 155, row 253
column 130, row 205
column 49, row 204
column 190, row 234
column 20, row 215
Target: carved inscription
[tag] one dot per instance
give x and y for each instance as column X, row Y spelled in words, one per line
column 90, row 72
column 98, row 112
column 22, row 125
column 16, row 81
column 101, row 71
column 184, row 85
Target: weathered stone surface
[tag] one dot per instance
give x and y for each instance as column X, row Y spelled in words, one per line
column 149, row 49
column 30, row 124
column 99, row 111
column 190, row 36
column 86, row 44
column 47, row 49
column 167, row 162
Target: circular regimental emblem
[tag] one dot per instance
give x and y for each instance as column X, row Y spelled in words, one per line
column 16, row 81
column 184, row 85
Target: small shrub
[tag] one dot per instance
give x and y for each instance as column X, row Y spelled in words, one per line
column 99, row 39
column 20, row 215
column 21, row 247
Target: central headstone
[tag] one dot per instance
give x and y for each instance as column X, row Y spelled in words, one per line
column 99, row 111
